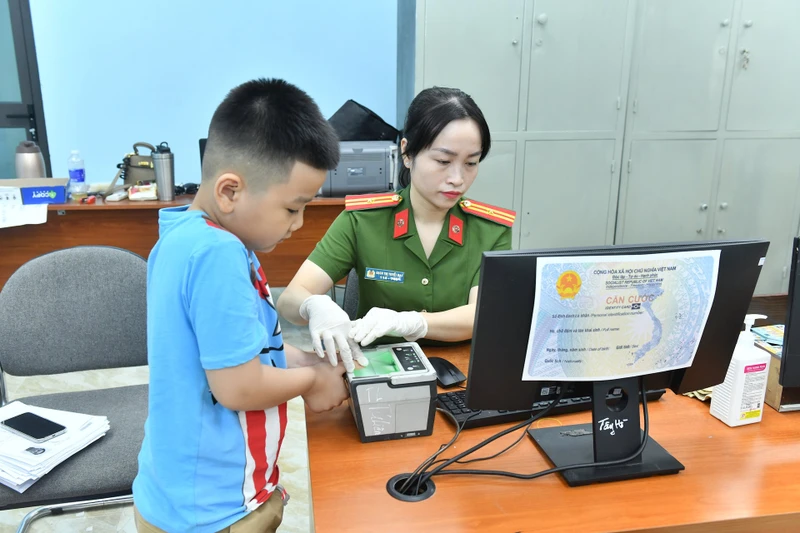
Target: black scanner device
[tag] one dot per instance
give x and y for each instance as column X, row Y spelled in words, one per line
column 447, row 374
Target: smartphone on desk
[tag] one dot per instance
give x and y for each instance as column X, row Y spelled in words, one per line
column 33, row 427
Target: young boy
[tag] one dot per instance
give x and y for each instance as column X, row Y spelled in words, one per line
column 220, row 374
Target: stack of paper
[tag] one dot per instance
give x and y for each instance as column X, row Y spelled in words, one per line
column 770, row 334
column 770, row 338
column 23, row 462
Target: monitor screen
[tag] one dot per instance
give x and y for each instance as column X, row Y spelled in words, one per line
column 504, row 375
column 790, row 356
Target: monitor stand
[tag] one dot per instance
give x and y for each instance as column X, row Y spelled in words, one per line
column 616, row 435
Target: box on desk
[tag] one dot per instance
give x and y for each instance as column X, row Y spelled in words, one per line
column 39, row 190
column 782, row 399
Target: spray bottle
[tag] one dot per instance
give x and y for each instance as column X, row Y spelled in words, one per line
column 739, row 400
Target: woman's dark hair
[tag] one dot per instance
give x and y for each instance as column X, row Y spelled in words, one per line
column 429, row 113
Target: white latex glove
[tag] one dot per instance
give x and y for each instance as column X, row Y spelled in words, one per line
column 378, row 322
column 329, row 324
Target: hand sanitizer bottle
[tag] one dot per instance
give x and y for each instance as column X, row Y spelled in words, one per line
column 739, row 400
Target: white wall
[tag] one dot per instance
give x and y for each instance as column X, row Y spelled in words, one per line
column 114, row 73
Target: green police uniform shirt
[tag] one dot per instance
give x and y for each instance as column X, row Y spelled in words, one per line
column 377, row 236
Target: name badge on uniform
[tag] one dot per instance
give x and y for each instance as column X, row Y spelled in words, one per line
column 378, row 274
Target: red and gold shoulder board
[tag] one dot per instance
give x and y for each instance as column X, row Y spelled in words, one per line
column 359, row 202
column 489, row 212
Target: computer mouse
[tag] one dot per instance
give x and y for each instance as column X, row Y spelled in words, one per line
column 446, row 372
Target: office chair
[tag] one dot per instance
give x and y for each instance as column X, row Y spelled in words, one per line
column 350, row 300
column 79, row 309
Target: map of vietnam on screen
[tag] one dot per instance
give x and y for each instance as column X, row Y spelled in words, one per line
column 610, row 317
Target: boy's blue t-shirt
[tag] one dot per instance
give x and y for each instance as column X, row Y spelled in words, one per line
column 202, row 466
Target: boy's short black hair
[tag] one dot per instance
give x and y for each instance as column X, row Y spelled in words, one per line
column 262, row 128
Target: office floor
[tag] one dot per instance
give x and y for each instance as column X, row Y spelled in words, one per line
column 293, row 460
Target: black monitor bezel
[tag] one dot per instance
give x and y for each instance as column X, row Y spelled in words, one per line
column 494, row 379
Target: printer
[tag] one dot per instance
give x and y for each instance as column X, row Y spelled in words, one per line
column 364, row 167
column 394, row 397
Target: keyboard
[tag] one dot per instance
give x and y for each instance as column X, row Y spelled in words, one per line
column 455, row 403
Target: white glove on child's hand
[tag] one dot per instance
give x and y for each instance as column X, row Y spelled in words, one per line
column 378, row 322
column 329, row 324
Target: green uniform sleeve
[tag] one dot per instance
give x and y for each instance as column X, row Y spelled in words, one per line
column 503, row 243
column 336, row 252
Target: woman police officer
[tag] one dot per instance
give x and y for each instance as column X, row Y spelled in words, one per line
column 418, row 251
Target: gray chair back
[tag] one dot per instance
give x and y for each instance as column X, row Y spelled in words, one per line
column 350, row 300
column 82, row 308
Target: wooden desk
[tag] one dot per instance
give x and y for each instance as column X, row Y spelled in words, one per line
column 742, row 479
column 134, row 226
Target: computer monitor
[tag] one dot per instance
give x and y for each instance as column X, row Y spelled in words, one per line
column 202, row 144
column 703, row 342
column 790, row 355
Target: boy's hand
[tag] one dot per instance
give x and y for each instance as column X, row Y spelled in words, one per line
column 379, row 322
column 329, row 324
column 328, row 390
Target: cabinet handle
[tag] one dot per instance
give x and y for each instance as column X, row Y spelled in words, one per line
column 515, row 42
column 725, row 23
column 703, row 207
column 542, row 19
column 748, row 23
column 723, row 205
column 720, row 230
column 699, row 231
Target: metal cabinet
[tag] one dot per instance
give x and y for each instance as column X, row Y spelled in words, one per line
column 680, row 60
column 629, row 121
column 766, row 77
column 666, row 191
column 758, row 198
column 569, row 196
column 495, row 181
column 477, row 47
column 577, row 58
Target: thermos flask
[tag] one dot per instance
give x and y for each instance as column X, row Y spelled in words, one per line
column 29, row 162
column 164, row 166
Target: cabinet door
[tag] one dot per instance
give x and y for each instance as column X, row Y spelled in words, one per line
column 476, row 46
column 495, row 181
column 766, row 77
column 666, row 193
column 682, row 49
column 576, row 65
column 758, row 199
column 567, row 191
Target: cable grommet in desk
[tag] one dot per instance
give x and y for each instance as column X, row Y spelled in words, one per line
column 393, row 488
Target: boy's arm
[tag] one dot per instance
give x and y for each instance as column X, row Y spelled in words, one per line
column 297, row 358
column 221, row 305
column 253, row 386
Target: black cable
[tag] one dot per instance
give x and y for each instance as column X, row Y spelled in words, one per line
column 501, row 452
column 430, row 460
column 440, row 470
column 498, row 454
column 424, row 476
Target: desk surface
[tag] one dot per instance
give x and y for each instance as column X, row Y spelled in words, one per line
column 750, row 475
column 102, row 205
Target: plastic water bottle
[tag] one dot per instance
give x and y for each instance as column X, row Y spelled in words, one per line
column 77, row 173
